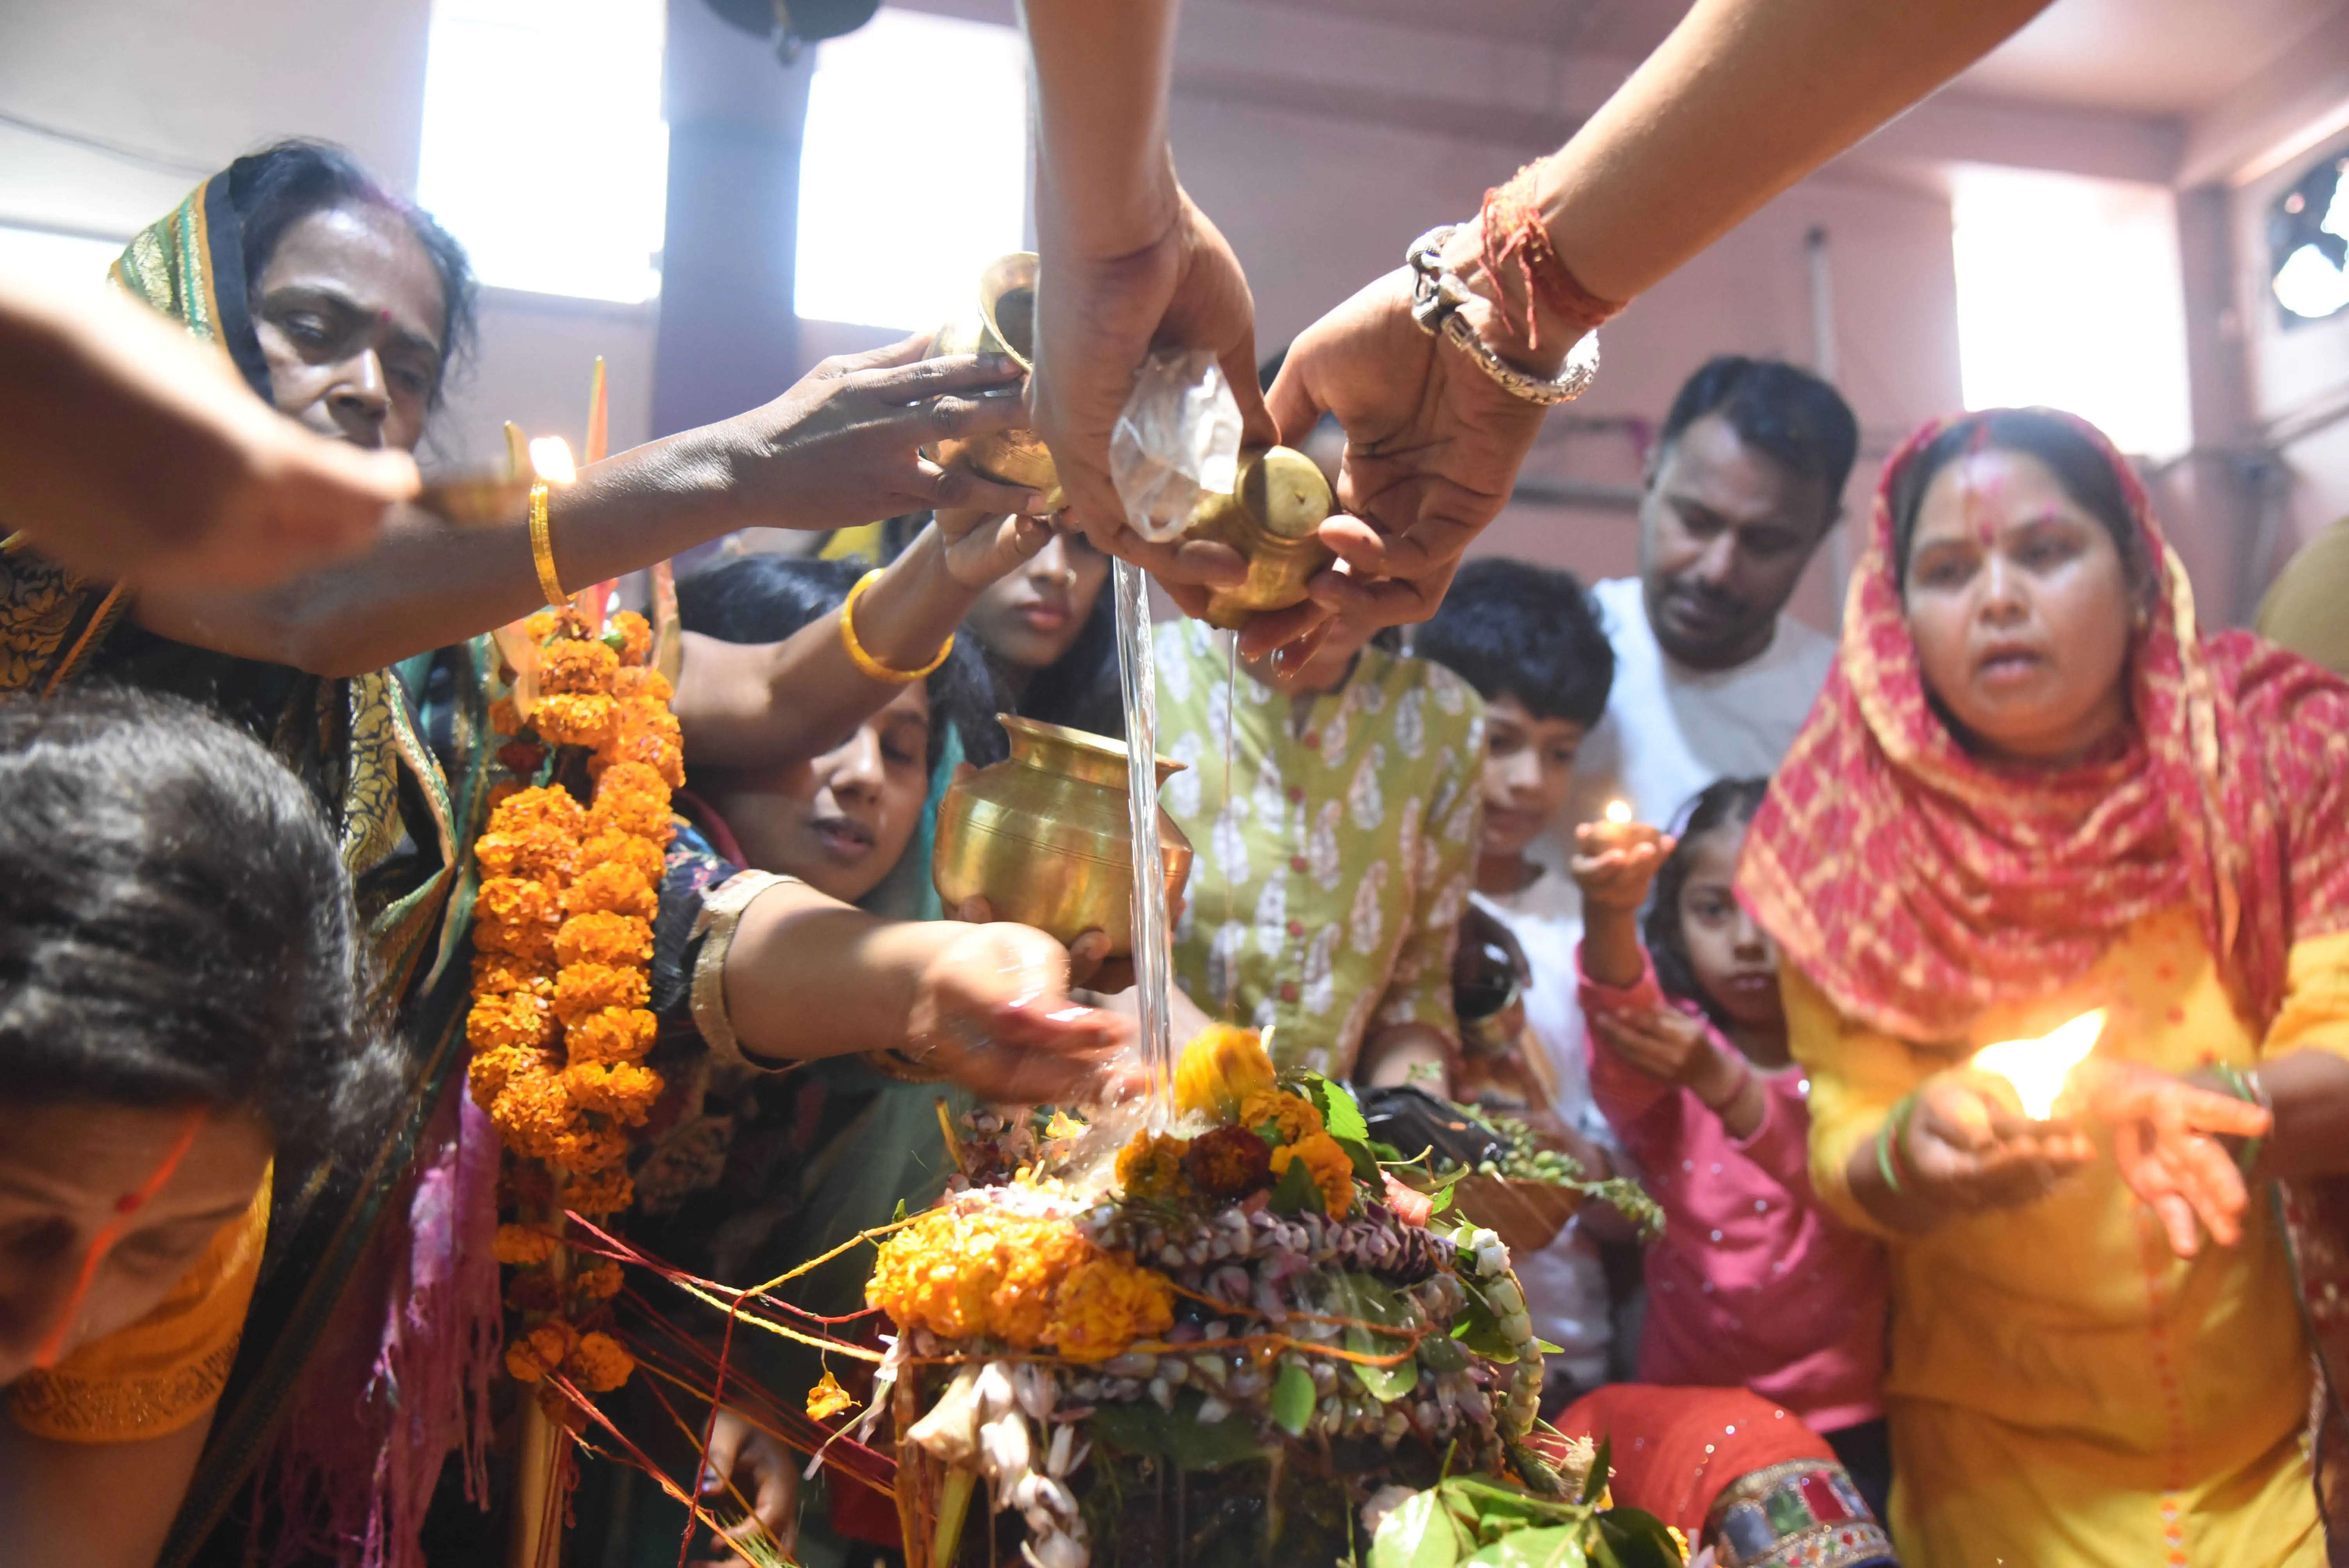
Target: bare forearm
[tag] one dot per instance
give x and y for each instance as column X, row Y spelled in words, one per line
column 1105, row 179
column 1390, row 1055
column 1611, row 953
column 1743, row 99
column 2308, row 1090
column 810, row 976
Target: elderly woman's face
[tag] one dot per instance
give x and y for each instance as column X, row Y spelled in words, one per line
column 64, row 1171
column 2019, row 605
column 352, row 320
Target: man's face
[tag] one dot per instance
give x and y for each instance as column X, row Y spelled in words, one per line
column 1726, row 531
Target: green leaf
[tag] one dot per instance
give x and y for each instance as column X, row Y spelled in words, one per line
column 1601, row 1470
column 1292, row 1399
column 1479, row 1331
column 1341, row 1115
column 1295, row 1193
column 1363, row 1297
column 1547, row 1348
column 1366, row 1164
column 1419, row 1534
column 900, row 1214
column 1631, row 1539
column 1176, row 1434
column 1442, row 1200
column 1551, row 1546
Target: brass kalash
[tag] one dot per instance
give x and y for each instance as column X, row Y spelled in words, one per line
column 1043, row 837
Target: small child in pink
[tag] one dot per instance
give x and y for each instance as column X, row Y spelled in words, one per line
column 1754, row 1281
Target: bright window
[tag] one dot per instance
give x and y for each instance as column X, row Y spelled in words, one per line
column 2069, row 295
column 913, row 172
column 60, row 261
column 544, row 151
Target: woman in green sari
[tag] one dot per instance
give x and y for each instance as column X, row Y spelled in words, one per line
column 341, row 304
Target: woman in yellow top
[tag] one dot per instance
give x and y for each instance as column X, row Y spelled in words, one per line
column 2030, row 791
column 179, row 1005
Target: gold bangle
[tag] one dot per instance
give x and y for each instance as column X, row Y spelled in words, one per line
column 866, row 661
column 542, row 548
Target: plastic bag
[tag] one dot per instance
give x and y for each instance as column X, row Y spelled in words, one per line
column 1176, row 443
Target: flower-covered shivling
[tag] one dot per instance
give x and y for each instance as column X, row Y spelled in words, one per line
column 1246, row 1335
column 562, row 942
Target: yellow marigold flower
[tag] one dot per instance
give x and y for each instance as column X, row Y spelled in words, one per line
column 598, row 1365
column 632, row 799
column 600, row 938
column 611, row 1035
column 574, row 717
column 577, row 666
column 496, row 974
column 518, row 901
column 612, row 847
column 828, row 1399
column 523, row 1247
column 644, row 681
column 598, row 1281
column 546, row 804
column 582, row 990
column 530, row 946
column 541, row 625
column 1220, row 1069
column 531, row 1356
column 1105, row 1304
column 605, row 1192
column 1292, row 1117
column 661, row 753
column 505, row 715
column 636, row 636
column 490, row 1070
column 532, row 1110
column 586, row 1149
column 540, row 851
column 516, row 1019
column 615, row 888
column 621, row 1089
column 1152, row 1167
column 1327, row 1163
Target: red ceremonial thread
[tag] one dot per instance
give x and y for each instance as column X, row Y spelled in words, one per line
column 1514, row 235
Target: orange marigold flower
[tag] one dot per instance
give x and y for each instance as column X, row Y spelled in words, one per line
column 1152, row 1167
column 600, row 938
column 496, row 974
column 491, row 1070
column 523, row 1247
column 643, row 682
column 504, row 790
column 518, row 1019
column 1229, row 1162
column 585, row 1149
column 574, row 717
column 540, row 851
column 1219, row 1069
column 505, row 715
column 598, row 1363
column 828, row 1399
column 533, row 1110
column 968, row 1276
column 632, row 799
column 599, row 1281
column 605, row 1192
column 1105, row 1304
column 531, row 946
column 615, row 887
column 546, row 804
column 1291, row 1116
column 636, row 636
column 518, row 901
column 582, row 990
column 577, row 666
column 661, row 753
column 621, row 1089
column 612, row 1035
column 613, row 848
column 1329, row 1166
column 532, row 1355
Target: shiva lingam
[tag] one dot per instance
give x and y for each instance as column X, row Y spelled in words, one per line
column 1043, row 837
column 1270, row 518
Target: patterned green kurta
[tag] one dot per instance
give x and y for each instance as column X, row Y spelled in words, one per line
column 1326, row 892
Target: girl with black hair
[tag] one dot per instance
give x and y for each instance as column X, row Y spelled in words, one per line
column 1753, row 1281
column 180, row 1005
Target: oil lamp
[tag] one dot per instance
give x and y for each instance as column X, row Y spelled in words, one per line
column 2038, row 1068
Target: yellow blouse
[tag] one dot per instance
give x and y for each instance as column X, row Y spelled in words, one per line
column 164, row 1371
column 2063, row 1390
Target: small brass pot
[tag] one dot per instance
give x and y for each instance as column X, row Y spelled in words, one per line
column 1270, row 518
column 1043, row 836
column 1005, row 324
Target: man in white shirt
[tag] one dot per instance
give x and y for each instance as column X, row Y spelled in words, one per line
column 1713, row 678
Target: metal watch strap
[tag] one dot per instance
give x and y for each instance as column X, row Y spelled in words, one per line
column 1437, row 295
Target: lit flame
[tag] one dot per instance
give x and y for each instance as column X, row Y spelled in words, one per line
column 550, row 459
column 1619, row 812
column 2038, row 1068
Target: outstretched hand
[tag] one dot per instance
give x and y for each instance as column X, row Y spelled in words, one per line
column 746, row 1460
column 1614, row 863
column 2165, row 1142
column 1097, row 319
column 982, row 547
column 1965, row 1150
column 992, row 1011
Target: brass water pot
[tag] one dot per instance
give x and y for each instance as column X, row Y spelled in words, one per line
column 1271, row 518
column 1043, row 836
column 1005, row 324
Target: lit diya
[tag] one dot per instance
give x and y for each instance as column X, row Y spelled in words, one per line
column 2038, row 1069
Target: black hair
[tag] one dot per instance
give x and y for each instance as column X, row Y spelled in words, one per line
column 1526, row 631
column 276, row 188
column 2082, row 467
column 176, row 929
column 766, row 598
column 1079, row 688
column 1719, row 804
column 1802, row 422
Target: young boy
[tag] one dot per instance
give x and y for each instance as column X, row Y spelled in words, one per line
column 1529, row 640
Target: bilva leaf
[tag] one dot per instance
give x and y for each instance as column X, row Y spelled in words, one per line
column 1292, row 1399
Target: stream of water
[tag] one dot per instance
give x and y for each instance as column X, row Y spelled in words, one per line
column 1138, row 685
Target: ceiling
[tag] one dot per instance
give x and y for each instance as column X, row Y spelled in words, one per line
column 2160, row 57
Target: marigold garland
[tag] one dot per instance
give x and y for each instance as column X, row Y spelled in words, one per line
column 564, row 943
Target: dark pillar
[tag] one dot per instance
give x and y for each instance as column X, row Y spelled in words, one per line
column 729, row 340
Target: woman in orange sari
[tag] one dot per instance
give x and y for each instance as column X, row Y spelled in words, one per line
column 2030, row 789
